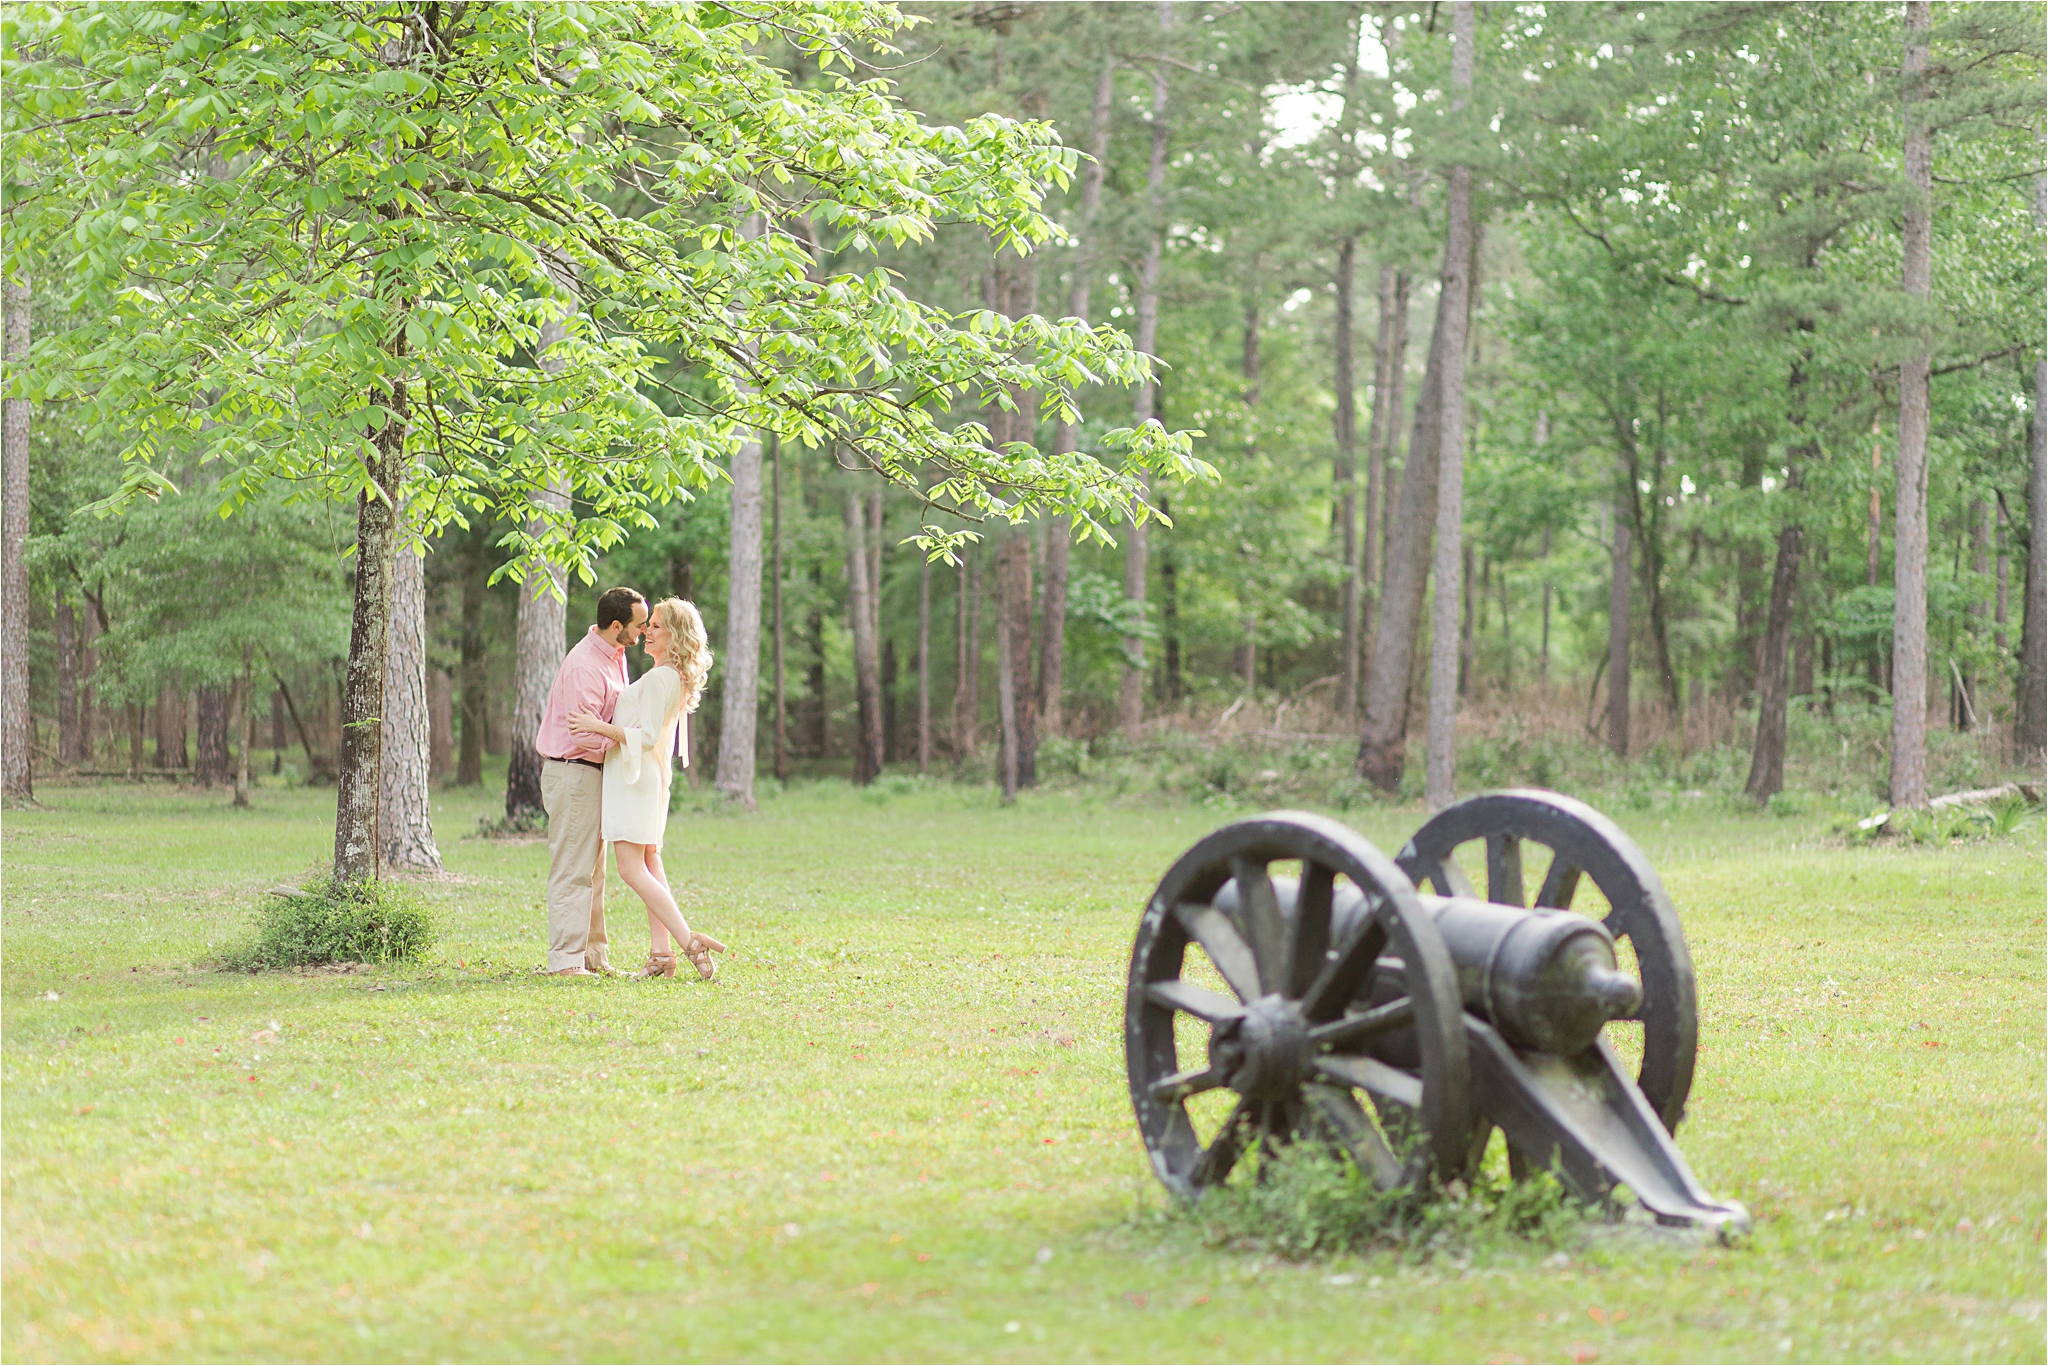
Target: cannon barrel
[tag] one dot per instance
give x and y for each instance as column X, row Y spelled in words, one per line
column 1547, row 980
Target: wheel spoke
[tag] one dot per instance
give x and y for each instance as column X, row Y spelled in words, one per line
column 1339, row 1109
column 1219, row 939
column 1200, row 1002
column 1372, row 1075
column 1345, row 968
column 1222, row 1153
column 1178, row 1087
column 1308, row 937
column 1504, row 870
column 1355, row 1031
column 1259, row 919
column 1559, row 884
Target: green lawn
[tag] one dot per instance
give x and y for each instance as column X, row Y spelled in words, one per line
column 897, row 1126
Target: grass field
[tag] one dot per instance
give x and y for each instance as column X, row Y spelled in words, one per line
column 897, row 1126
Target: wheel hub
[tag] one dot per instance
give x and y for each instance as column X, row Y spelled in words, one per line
column 1266, row 1051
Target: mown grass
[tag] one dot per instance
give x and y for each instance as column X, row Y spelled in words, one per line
column 897, row 1126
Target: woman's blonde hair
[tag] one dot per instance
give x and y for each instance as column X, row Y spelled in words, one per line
column 689, row 649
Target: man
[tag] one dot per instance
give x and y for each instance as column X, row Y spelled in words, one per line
column 572, row 782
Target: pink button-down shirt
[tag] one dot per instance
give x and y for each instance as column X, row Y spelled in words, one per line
column 590, row 679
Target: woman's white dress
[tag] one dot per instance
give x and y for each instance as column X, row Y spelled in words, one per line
column 637, row 773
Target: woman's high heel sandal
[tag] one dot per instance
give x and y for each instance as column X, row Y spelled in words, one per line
column 659, row 965
column 699, row 950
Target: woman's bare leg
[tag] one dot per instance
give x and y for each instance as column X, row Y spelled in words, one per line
column 657, row 933
column 652, row 888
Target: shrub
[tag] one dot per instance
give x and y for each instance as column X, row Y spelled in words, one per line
column 1304, row 1200
column 331, row 920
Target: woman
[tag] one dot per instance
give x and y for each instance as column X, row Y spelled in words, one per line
column 643, row 732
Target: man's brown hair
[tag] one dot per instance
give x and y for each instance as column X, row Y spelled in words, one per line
column 615, row 605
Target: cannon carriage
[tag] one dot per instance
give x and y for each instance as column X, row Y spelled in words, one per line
column 1404, row 1026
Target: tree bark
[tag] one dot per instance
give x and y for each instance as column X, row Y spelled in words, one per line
column 17, row 724
column 540, row 639
column 1909, row 535
column 213, row 736
column 1390, row 452
column 741, row 699
column 440, row 723
column 405, row 806
column 924, row 666
column 1459, row 245
column 892, row 735
column 2030, row 709
column 135, row 744
column 1013, row 576
column 469, row 764
column 1618, row 613
column 964, row 646
column 170, row 728
column 357, row 844
column 1006, row 693
column 1383, row 738
column 1131, row 695
column 867, row 747
column 775, row 571
column 1378, row 437
column 65, row 621
column 1767, row 759
column 1344, row 475
column 245, row 707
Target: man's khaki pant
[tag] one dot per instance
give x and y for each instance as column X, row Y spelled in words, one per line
column 573, row 795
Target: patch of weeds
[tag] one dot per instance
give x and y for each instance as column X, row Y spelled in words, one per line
column 332, row 920
column 528, row 822
column 1785, row 805
column 1305, row 1200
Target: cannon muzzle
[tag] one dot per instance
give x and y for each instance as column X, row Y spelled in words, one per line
column 1547, row 980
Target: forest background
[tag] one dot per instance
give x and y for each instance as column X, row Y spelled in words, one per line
column 1704, row 397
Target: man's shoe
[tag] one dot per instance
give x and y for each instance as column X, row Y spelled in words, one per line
column 573, row 972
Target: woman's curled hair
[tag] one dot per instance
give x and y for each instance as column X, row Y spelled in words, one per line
column 689, row 649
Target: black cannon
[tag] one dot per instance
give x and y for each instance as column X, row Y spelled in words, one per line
column 1405, row 1026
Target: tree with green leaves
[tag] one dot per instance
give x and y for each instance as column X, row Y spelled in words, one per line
column 316, row 246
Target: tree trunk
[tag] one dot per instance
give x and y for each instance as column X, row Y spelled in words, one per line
column 1378, row 437
column 1052, row 621
column 1131, row 695
column 539, row 644
column 1390, row 453
column 245, row 707
column 1909, row 535
column 65, row 621
column 1618, row 613
column 170, row 729
column 405, row 806
column 1999, row 616
column 741, row 695
column 1013, row 576
column 892, row 737
column 17, row 723
column 440, row 723
column 469, row 766
column 1383, row 739
column 357, row 844
column 924, row 666
column 1767, row 759
column 1344, row 475
column 815, row 715
column 212, row 759
column 2030, row 709
column 1169, row 617
column 1006, row 692
column 775, row 571
column 972, row 695
column 1460, row 243
column 135, row 744
column 867, row 746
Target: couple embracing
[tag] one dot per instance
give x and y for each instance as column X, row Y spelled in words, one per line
column 605, row 743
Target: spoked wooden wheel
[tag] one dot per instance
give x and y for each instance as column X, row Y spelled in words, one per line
column 1583, row 844
column 1297, row 950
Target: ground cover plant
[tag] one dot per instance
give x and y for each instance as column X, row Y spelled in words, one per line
column 897, row 1128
